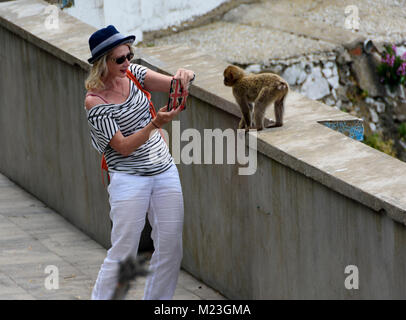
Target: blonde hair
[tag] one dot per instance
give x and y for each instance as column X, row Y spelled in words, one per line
column 99, row 71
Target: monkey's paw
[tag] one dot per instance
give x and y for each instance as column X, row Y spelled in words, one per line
column 243, row 125
column 274, row 125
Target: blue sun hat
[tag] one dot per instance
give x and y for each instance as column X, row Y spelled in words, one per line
column 104, row 40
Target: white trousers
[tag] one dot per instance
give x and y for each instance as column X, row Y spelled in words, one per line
column 131, row 197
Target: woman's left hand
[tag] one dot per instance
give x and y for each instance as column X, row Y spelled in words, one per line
column 185, row 77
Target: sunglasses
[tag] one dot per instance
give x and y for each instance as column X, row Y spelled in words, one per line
column 121, row 60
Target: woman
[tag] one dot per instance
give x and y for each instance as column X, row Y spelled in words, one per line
column 143, row 176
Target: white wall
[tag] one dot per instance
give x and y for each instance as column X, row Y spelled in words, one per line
column 136, row 16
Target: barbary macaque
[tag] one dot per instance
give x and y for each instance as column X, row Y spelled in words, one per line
column 262, row 90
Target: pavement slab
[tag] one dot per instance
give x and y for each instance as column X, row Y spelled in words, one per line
column 244, row 44
column 33, row 236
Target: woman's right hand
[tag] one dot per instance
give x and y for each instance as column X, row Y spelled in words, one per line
column 163, row 116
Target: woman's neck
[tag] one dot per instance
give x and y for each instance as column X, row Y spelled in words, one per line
column 112, row 83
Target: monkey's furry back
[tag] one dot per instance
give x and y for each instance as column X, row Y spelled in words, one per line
column 258, row 92
column 251, row 84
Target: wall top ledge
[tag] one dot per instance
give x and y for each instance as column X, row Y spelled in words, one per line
column 303, row 144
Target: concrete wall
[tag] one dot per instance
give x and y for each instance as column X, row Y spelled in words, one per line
column 44, row 133
column 318, row 201
column 278, row 234
column 45, row 136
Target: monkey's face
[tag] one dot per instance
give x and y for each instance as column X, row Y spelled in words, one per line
column 232, row 74
column 228, row 77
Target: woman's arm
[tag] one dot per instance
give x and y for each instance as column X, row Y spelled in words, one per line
column 155, row 81
column 127, row 145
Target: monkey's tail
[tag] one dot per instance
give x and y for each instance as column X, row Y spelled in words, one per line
column 282, row 86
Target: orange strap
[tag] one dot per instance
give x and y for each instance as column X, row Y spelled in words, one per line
column 151, row 110
column 148, row 94
column 105, row 168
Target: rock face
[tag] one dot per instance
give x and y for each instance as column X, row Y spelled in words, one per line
column 316, row 86
column 292, row 74
column 253, row 68
column 374, row 115
column 315, row 78
column 347, row 80
column 364, row 66
column 333, row 81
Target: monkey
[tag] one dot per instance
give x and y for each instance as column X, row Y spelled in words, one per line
column 259, row 89
column 129, row 269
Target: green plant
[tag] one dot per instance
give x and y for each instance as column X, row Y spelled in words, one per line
column 375, row 141
column 402, row 130
column 392, row 69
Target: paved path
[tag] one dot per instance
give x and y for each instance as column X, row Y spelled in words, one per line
column 32, row 237
column 261, row 33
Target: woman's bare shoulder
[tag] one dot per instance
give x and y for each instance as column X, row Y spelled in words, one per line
column 92, row 100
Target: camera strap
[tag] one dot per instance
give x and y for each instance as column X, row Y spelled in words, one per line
column 104, row 166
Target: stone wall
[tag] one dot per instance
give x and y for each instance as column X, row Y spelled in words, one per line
column 348, row 83
column 315, row 76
